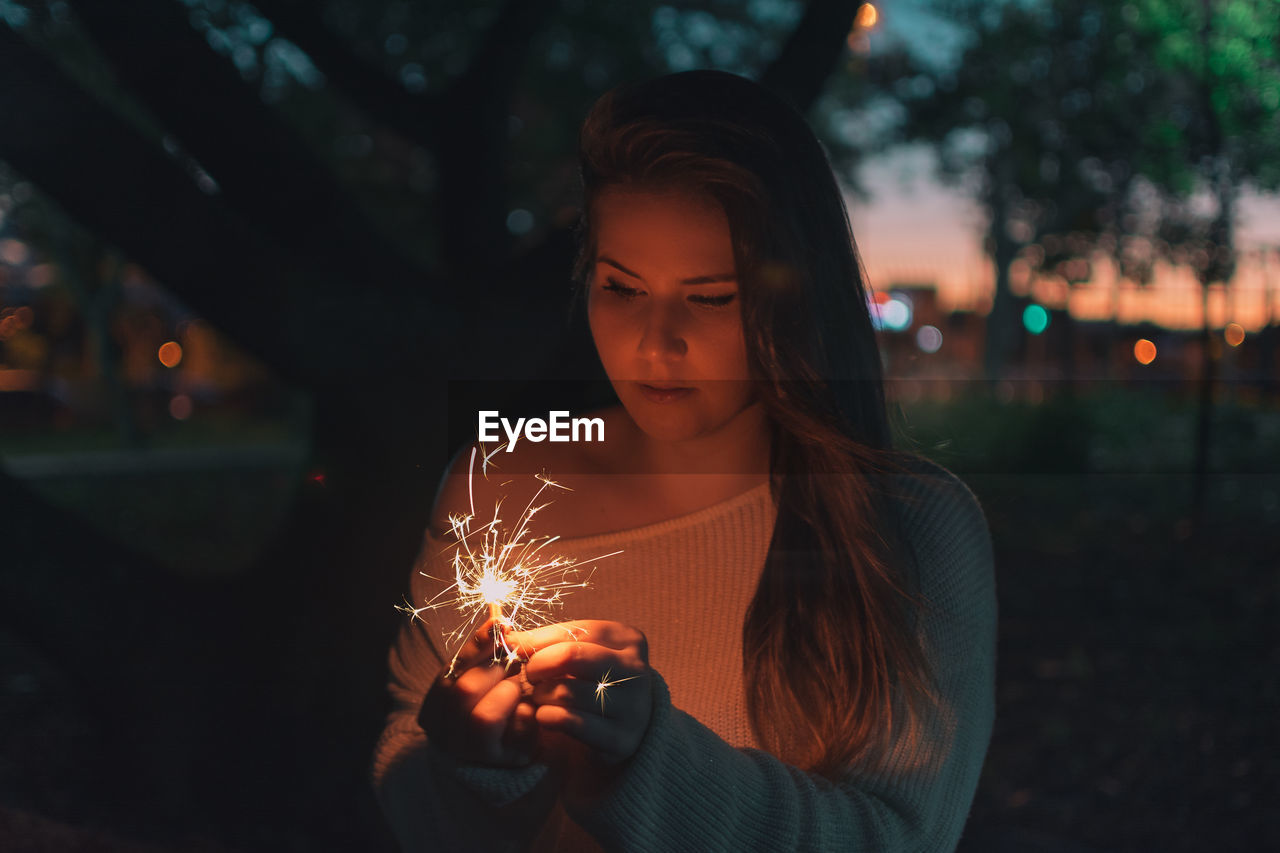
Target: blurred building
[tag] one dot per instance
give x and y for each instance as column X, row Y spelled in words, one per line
column 120, row 350
column 932, row 353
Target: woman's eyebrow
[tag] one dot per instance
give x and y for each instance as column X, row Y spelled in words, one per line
column 698, row 279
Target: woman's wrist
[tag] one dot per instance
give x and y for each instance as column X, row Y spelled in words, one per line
column 497, row 786
column 596, row 779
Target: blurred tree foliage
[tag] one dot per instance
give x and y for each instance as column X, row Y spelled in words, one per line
column 1087, row 126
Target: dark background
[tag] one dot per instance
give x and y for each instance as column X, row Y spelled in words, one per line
column 356, row 220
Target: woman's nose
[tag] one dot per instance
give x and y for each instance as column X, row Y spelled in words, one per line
column 663, row 336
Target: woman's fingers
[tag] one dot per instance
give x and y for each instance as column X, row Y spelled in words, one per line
column 495, row 727
column 452, row 700
column 523, row 720
column 567, row 692
column 476, row 711
column 587, row 661
column 601, row 696
column 478, row 680
column 490, row 719
column 479, row 648
column 590, row 682
column 601, row 632
column 520, row 740
column 491, row 711
column 610, row 741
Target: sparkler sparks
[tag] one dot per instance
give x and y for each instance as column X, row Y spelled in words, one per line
column 502, row 573
column 604, row 684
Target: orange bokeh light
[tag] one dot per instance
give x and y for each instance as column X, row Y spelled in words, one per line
column 1234, row 334
column 1144, row 351
column 170, row 353
column 867, row 16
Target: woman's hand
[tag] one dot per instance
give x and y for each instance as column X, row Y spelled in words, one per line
column 590, row 682
column 478, row 715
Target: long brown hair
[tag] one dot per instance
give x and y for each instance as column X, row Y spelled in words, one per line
column 834, row 669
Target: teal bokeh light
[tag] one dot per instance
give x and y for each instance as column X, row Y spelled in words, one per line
column 1035, row 319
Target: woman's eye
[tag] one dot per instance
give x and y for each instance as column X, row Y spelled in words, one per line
column 714, row 301
column 621, row 289
column 705, row 301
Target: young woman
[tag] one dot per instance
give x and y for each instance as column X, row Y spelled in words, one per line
column 796, row 647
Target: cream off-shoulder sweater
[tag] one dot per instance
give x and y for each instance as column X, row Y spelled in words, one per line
column 699, row 781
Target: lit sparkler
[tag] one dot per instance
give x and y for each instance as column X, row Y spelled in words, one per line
column 503, row 574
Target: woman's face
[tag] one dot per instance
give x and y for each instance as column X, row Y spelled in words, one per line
column 664, row 313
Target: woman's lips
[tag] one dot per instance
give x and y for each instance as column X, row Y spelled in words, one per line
column 666, row 394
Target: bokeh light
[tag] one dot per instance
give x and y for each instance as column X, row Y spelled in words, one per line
column 1144, row 351
column 180, row 407
column 41, row 275
column 13, row 252
column 1234, row 334
column 891, row 311
column 15, row 320
column 895, row 315
column 863, row 21
column 1035, row 319
column 929, row 339
column 170, row 353
column 519, row 221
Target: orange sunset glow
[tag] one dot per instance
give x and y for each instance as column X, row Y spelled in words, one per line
column 914, row 230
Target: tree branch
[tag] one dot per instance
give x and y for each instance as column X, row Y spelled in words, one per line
column 473, row 186
column 264, row 171
column 496, row 61
column 415, row 117
column 273, row 302
column 465, row 125
column 811, row 53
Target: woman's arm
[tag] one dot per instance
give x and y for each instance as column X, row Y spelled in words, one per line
column 686, row 789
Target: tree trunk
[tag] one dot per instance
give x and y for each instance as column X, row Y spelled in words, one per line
column 1267, row 377
column 92, row 274
column 1002, row 321
column 1220, row 269
column 1204, row 415
column 811, row 53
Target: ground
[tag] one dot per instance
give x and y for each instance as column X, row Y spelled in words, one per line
column 1136, row 689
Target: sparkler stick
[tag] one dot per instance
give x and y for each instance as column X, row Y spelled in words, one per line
column 502, row 573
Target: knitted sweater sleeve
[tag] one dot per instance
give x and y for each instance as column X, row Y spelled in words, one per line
column 431, row 801
column 686, row 789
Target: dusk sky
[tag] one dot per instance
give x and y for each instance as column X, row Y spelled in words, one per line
column 914, row 229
